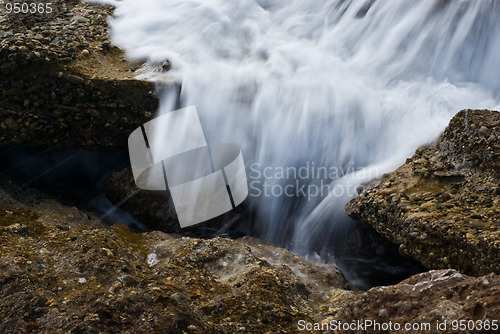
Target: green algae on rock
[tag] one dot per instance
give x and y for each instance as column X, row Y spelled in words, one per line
column 442, row 207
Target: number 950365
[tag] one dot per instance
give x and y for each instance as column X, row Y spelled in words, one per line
column 25, row 7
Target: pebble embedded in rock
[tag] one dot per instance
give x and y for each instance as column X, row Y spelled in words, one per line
column 74, row 79
column 484, row 131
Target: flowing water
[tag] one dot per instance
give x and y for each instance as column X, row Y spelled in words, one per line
column 350, row 87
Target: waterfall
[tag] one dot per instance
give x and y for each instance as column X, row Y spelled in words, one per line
column 346, row 89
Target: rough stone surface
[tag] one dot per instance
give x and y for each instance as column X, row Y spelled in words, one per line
column 427, row 298
column 443, row 205
column 61, row 270
column 63, row 84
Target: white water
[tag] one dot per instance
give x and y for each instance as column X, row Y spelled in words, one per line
column 293, row 82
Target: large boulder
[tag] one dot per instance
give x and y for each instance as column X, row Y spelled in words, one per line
column 442, row 207
column 62, row 83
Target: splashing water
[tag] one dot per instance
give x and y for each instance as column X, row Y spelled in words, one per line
column 333, row 84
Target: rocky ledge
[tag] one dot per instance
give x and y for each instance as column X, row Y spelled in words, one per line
column 442, row 207
column 63, row 84
column 63, row 270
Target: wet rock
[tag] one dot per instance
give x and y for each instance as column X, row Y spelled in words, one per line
column 440, row 296
column 447, row 213
column 166, row 66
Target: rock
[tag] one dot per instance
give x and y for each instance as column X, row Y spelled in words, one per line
column 79, row 19
column 166, row 66
column 11, row 124
column 62, row 270
column 447, row 214
column 106, row 45
column 74, row 79
column 484, row 131
column 442, row 296
column 58, row 54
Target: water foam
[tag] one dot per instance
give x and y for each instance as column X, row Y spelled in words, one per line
column 338, row 83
